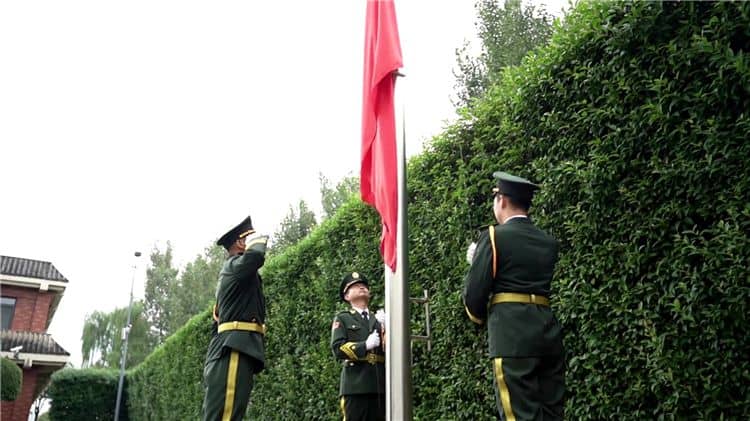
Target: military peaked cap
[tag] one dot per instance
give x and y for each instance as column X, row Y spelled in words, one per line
column 243, row 229
column 349, row 280
column 520, row 189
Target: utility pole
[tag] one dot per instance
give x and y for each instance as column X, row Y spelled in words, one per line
column 125, row 336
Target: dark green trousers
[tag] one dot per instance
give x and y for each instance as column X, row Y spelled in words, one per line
column 530, row 388
column 228, row 381
column 366, row 407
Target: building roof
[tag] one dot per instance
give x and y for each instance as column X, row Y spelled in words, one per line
column 17, row 266
column 32, row 342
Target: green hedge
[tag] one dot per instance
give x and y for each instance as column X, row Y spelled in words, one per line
column 635, row 120
column 85, row 394
column 168, row 384
column 12, row 377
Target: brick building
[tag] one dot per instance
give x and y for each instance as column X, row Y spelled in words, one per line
column 30, row 292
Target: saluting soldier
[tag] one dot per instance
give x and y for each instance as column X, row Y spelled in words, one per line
column 236, row 350
column 356, row 341
column 508, row 286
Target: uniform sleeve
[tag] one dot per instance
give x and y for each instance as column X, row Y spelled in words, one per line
column 342, row 348
column 253, row 257
column 478, row 281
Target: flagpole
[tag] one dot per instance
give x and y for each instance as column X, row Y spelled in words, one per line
column 398, row 349
column 383, row 185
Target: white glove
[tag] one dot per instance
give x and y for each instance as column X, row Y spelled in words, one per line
column 373, row 341
column 253, row 240
column 470, row 252
column 256, row 236
column 380, row 317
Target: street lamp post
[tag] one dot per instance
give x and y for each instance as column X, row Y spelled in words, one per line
column 125, row 336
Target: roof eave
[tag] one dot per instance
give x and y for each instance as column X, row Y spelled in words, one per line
column 28, row 360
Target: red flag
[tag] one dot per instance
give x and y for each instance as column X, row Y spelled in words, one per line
column 379, row 177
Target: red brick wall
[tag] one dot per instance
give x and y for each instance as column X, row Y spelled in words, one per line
column 32, row 308
column 30, row 315
column 18, row 410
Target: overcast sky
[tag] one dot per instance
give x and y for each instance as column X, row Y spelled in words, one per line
column 124, row 125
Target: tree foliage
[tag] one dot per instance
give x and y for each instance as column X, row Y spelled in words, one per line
column 174, row 298
column 332, row 197
column 102, row 338
column 296, row 225
column 196, row 287
column 161, row 282
column 507, row 30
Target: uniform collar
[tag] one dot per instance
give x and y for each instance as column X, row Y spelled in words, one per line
column 515, row 217
column 360, row 310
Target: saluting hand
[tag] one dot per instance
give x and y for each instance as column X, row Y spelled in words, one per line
column 256, row 238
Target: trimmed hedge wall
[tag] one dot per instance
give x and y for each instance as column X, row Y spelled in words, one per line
column 12, row 375
column 85, row 394
column 168, row 384
column 635, row 120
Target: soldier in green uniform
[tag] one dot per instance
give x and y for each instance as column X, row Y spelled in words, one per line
column 356, row 342
column 236, row 350
column 508, row 286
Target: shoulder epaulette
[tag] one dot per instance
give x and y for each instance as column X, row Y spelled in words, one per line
column 344, row 312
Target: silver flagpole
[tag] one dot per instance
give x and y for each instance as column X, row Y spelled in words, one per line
column 398, row 347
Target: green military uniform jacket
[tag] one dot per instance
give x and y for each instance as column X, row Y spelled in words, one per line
column 524, row 261
column 239, row 297
column 363, row 371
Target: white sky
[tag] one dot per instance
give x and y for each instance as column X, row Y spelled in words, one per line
column 127, row 124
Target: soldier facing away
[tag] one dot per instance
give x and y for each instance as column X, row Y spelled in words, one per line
column 511, row 271
column 356, row 342
column 236, row 351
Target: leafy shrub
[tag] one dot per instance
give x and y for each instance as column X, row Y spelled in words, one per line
column 12, row 376
column 85, row 394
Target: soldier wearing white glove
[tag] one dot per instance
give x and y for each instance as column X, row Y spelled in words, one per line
column 235, row 307
column 358, row 341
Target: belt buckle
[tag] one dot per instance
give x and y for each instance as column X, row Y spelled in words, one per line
column 533, row 298
column 371, row 358
column 235, row 325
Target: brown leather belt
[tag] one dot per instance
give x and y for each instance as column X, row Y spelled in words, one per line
column 246, row 326
column 514, row 297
